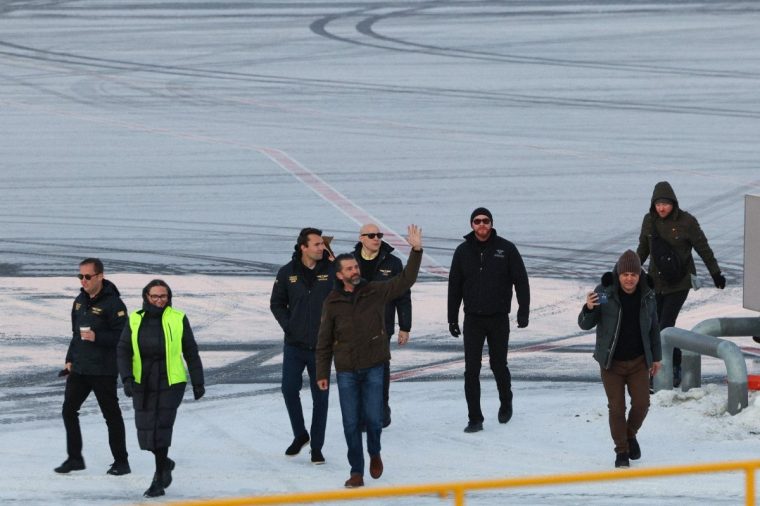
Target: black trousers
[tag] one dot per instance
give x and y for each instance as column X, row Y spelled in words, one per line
column 477, row 330
column 78, row 388
column 668, row 307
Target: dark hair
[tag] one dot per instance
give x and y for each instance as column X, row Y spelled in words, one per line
column 95, row 262
column 303, row 236
column 339, row 260
column 157, row 282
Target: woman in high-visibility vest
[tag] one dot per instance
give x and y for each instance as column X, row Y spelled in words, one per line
column 150, row 355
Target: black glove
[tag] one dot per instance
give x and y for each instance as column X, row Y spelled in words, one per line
column 198, row 391
column 522, row 321
column 719, row 280
column 129, row 385
column 454, row 329
column 63, row 372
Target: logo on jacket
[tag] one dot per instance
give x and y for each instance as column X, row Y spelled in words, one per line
column 385, row 272
column 293, row 279
column 96, row 311
column 77, row 306
column 499, row 253
column 121, row 313
column 322, row 277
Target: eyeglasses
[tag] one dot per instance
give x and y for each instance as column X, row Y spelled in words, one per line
column 372, row 235
column 162, row 296
column 87, row 276
column 484, row 221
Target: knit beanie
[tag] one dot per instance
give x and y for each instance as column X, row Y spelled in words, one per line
column 479, row 211
column 629, row 262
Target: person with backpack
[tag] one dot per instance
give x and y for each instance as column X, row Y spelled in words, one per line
column 668, row 236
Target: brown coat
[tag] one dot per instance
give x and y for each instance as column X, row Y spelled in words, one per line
column 353, row 326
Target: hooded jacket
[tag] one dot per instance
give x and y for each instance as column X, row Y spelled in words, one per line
column 682, row 231
column 607, row 317
column 388, row 266
column 296, row 304
column 484, row 279
column 353, row 324
column 106, row 315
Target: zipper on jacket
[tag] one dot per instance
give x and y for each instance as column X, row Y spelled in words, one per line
column 168, row 361
column 615, row 339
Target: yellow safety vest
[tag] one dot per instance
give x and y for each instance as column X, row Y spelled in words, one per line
column 173, row 329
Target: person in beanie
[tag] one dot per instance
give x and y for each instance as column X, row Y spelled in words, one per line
column 681, row 232
column 624, row 311
column 484, row 269
column 150, row 355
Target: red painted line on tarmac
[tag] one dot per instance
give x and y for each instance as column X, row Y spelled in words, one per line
column 346, row 206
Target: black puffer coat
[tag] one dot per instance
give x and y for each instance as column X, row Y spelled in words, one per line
column 106, row 315
column 154, row 401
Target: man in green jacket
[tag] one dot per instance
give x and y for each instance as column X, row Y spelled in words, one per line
column 680, row 231
column 353, row 331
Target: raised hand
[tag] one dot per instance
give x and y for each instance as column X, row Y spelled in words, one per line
column 414, row 237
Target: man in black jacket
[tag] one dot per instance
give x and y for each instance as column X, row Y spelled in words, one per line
column 97, row 319
column 296, row 302
column 483, row 271
column 378, row 264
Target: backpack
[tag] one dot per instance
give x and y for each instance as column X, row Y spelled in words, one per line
column 668, row 262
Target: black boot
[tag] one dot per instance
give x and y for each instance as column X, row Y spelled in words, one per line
column 70, row 464
column 298, row 443
column 166, row 473
column 505, row 413
column 156, row 489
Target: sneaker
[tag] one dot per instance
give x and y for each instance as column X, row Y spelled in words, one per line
column 166, row 474
column 375, row 466
column 119, row 468
column 354, row 481
column 474, row 427
column 505, row 413
column 387, row 417
column 316, row 457
column 634, row 450
column 155, row 489
column 69, row 465
column 298, row 443
column 621, row 460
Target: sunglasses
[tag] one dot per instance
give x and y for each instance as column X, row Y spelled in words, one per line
column 372, row 235
column 484, row 221
column 87, row 276
column 163, row 296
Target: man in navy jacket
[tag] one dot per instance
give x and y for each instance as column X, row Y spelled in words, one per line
column 296, row 302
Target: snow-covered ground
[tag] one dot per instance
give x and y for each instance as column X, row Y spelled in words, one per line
column 231, row 443
column 191, row 140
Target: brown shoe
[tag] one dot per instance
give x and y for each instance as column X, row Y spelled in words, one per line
column 355, row 480
column 375, row 466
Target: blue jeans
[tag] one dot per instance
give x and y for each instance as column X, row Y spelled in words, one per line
column 361, row 397
column 294, row 361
